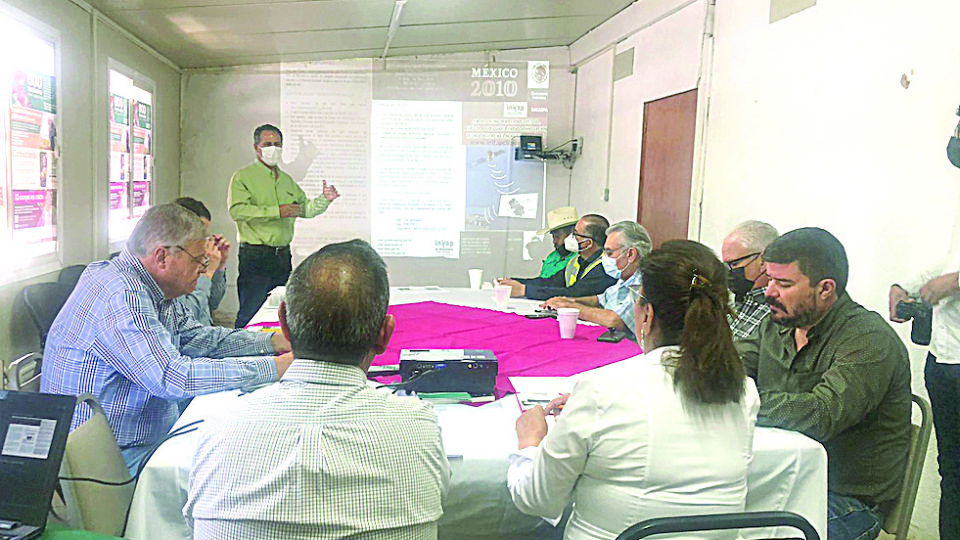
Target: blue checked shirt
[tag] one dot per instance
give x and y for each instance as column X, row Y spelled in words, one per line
column 617, row 299
column 119, row 339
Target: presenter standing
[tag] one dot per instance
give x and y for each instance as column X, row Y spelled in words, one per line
column 266, row 202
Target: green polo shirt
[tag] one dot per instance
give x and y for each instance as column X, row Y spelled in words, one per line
column 254, row 201
column 848, row 387
column 554, row 263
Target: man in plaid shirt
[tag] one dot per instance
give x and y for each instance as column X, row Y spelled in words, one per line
column 322, row 455
column 742, row 252
column 123, row 336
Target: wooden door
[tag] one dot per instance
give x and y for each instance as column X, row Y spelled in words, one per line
column 666, row 165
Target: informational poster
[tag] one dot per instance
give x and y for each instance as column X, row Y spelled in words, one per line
column 140, row 199
column 131, row 154
column 34, row 215
column 421, row 153
column 33, row 160
column 120, row 152
column 414, row 201
column 325, row 119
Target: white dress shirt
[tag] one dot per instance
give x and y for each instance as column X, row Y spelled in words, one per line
column 320, row 455
column 628, row 447
column 945, row 331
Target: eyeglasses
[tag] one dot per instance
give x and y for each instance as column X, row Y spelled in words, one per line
column 202, row 260
column 581, row 236
column 635, row 295
column 610, row 252
column 736, row 262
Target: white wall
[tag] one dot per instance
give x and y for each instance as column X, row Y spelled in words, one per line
column 83, row 116
column 221, row 108
column 609, row 114
column 809, row 126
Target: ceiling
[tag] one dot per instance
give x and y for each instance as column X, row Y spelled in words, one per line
column 208, row 33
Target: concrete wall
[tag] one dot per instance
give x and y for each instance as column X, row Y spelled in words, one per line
column 222, row 107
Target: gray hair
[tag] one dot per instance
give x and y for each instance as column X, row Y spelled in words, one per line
column 634, row 236
column 336, row 302
column 756, row 235
column 165, row 225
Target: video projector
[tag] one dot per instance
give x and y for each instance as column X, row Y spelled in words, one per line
column 448, row 370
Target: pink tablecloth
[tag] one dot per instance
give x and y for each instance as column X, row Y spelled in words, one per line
column 524, row 347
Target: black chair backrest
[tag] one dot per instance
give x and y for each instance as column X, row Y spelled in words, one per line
column 43, row 302
column 715, row 522
column 70, row 275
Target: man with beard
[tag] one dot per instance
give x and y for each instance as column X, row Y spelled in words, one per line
column 742, row 250
column 835, row 371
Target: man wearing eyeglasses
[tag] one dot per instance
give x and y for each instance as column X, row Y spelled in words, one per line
column 742, row 253
column 583, row 274
column 627, row 243
column 124, row 337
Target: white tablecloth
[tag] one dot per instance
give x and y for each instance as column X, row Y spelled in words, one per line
column 789, row 470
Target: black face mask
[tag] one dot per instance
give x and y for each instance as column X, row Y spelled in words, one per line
column 738, row 283
column 953, row 151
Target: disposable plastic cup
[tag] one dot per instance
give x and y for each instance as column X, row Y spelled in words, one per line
column 567, row 318
column 501, row 295
column 476, row 278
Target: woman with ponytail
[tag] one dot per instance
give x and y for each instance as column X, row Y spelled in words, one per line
column 665, row 433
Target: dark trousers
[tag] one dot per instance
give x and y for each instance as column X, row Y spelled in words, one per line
column 261, row 269
column 943, row 387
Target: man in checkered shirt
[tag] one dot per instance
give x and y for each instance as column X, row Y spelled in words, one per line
column 124, row 337
column 742, row 252
column 321, row 454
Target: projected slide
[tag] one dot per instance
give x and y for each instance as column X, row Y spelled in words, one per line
column 423, row 156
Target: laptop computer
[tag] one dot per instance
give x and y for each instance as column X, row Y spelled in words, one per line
column 33, row 436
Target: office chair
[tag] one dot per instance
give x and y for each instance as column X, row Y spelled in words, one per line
column 24, row 373
column 69, row 277
column 43, row 302
column 713, row 522
column 92, row 452
column 898, row 522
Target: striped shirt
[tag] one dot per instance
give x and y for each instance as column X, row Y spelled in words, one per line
column 118, row 338
column 751, row 311
column 320, row 455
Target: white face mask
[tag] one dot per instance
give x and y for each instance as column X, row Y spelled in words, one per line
column 271, row 155
column 571, row 244
column 610, row 267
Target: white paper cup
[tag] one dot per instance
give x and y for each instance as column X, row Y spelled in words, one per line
column 567, row 317
column 476, row 278
column 275, row 297
column 501, row 295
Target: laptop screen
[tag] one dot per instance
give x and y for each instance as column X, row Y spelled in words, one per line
column 33, row 435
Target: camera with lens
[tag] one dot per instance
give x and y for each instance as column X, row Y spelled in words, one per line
column 922, row 315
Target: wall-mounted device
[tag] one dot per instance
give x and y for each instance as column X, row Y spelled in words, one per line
column 531, row 148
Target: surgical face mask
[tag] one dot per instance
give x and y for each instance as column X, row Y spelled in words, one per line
column 738, row 283
column 271, row 155
column 571, row 244
column 610, row 267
